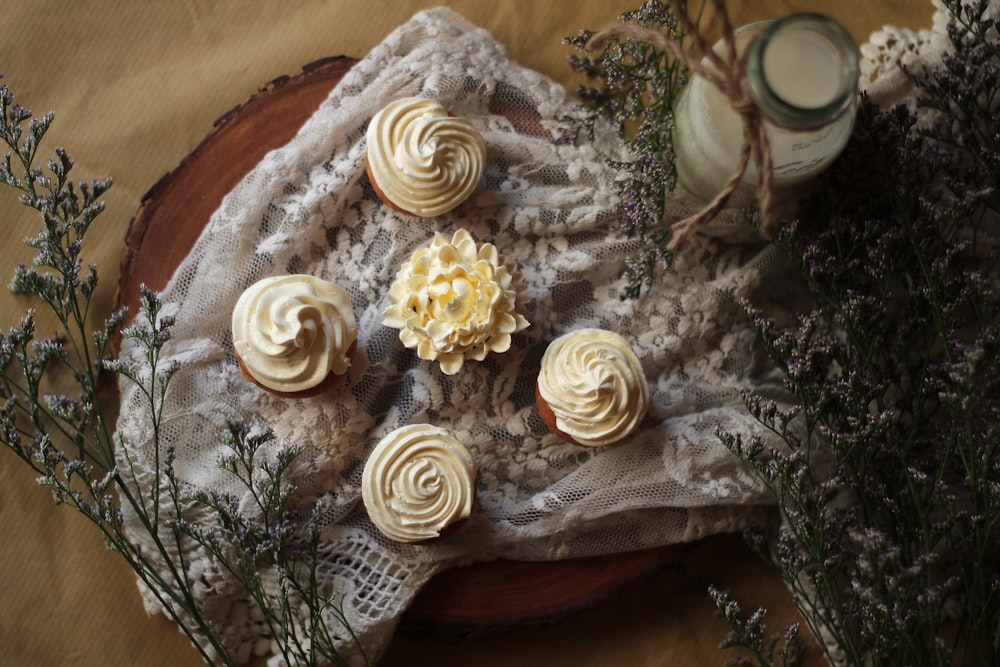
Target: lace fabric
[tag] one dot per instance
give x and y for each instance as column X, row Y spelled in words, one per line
column 548, row 206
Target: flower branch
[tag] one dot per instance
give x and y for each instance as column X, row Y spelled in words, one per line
column 68, row 442
column 887, row 477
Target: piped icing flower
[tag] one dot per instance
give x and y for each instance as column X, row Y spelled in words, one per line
column 455, row 300
column 417, row 481
column 292, row 331
column 423, row 160
column 593, row 383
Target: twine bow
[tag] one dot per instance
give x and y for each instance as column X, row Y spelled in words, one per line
column 726, row 72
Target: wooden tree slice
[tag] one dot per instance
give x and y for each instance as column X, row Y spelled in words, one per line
column 485, row 598
column 460, row 602
column 173, row 213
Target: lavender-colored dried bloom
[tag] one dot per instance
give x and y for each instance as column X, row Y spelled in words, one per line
column 88, row 479
column 635, row 95
column 886, row 487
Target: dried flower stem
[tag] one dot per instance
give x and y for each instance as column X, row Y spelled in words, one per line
column 887, row 479
column 728, row 74
column 638, row 84
column 99, row 478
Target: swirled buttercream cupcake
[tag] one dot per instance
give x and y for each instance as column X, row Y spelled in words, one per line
column 591, row 389
column 418, row 481
column 456, row 300
column 422, row 160
column 294, row 335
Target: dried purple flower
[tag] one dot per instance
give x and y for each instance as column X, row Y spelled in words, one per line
column 636, row 96
column 68, row 443
column 886, row 487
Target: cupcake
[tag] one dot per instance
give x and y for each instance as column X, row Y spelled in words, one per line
column 591, row 390
column 455, row 300
column 418, row 482
column 294, row 335
column 421, row 160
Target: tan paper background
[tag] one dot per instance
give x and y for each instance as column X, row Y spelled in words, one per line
column 136, row 84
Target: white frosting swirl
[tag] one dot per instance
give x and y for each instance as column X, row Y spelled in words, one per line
column 418, row 481
column 455, row 300
column 594, row 384
column 424, row 161
column 292, row 331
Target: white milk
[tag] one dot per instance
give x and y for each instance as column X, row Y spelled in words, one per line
column 806, row 71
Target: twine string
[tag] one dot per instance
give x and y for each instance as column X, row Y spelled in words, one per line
column 727, row 73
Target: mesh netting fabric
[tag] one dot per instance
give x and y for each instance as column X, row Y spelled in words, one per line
column 550, row 207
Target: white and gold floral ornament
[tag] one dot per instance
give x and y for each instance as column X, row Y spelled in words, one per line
column 456, row 300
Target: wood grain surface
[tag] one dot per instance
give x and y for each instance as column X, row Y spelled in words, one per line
column 461, row 602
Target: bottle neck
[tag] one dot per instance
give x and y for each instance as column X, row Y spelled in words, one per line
column 803, row 70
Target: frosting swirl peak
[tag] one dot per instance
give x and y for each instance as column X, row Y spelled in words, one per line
column 292, row 331
column 417, row 481
column 422, row 159
column 594, row 385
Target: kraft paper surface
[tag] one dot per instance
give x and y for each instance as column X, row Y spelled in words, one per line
column 135, row 86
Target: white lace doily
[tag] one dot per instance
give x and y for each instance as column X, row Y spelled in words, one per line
column 548, row 206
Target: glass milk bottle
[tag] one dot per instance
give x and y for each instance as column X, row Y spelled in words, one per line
column 803, row 73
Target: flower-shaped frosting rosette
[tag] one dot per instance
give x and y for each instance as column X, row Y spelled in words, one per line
column 456, row 300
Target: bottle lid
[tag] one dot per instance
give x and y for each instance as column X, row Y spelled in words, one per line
column 803, row 70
